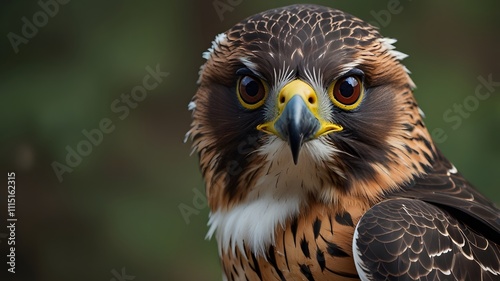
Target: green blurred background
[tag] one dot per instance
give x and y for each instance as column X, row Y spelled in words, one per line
column 120, row 207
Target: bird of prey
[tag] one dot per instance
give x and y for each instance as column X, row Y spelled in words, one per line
column 317, row 162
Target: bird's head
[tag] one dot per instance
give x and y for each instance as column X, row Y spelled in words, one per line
column 305, row 102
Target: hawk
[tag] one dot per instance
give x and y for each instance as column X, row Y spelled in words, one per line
column 317, row 162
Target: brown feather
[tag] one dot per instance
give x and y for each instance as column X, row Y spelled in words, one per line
column 384, row 150
column 327, row 253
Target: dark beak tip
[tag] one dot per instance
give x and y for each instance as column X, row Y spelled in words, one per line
column 297, row 125
column 295, row 147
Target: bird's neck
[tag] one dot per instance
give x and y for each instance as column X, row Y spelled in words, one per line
column 279, row 192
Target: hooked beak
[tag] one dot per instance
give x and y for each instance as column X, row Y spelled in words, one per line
column 298, row 120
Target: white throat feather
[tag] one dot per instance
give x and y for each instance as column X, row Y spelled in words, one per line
column 279, row 193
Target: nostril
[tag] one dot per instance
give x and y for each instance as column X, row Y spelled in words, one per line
column 282, row 99
column 311, row 100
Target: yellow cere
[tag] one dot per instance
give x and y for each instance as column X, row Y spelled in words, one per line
column 307, row 93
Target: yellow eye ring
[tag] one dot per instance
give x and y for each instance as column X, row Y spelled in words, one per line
column 347, row 92
column 252, row 91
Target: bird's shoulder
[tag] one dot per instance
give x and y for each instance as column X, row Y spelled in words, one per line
column 440, row 218
column 444, row 187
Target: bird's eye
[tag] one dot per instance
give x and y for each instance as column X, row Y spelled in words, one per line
column 251, row 92
column 346, row 92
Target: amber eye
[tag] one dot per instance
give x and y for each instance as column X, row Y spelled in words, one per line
column 346, row 92
column 251, row 92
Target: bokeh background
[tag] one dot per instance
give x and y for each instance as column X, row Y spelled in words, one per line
column 119, row 208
